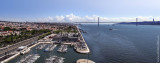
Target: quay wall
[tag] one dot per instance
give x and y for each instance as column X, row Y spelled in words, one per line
column 87, row 49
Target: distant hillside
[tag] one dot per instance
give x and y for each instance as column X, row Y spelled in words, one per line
column 2, row 21
column 142, row 23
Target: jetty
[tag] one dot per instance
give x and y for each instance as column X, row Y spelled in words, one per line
column 84, row 61
column 81, row 46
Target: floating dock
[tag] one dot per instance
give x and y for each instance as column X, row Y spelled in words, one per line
column 41, row 46
column 55, row 59
column 29, row 59
column 63, row 48
column 50, row 47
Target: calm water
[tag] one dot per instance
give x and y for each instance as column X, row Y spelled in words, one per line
column 123, row 44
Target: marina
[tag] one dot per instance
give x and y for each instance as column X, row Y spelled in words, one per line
column 29, row 59
column 44, row 55
column 54, row 59
column 50, row 47
column 63, row 48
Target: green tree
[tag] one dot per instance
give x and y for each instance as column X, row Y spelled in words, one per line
column 6, row 28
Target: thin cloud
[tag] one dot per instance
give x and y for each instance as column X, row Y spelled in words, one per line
column 74, row 18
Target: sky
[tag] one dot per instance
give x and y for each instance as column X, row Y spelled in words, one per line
column 79, row 10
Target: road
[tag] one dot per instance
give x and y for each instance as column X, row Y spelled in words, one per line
column 11, row 48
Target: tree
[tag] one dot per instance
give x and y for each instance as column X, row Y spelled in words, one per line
column 6, row 28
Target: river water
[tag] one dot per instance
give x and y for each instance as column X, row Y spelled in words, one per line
column 122, row 44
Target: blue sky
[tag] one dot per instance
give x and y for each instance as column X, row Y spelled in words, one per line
column 49, row 9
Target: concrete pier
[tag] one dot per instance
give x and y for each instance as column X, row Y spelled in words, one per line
column 84, row 61
column 80, row 50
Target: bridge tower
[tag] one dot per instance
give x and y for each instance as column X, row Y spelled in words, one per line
column 98, row 21
column 153, row 21
column 136, row 21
